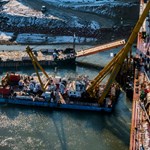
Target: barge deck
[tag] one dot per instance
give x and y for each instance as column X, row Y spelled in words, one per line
column 55, row 92
column 45, row 57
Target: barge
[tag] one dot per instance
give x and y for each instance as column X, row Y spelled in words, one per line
column 52, row 57
column 46, row 57
column 61, row 93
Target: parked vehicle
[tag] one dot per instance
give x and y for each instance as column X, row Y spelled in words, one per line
column 43, row 9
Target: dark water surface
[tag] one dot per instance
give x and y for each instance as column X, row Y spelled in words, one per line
column 26, row 128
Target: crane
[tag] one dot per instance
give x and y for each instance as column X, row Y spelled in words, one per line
column 36, row 66
column 114, row 66
column 111, row 68
column 100, row 48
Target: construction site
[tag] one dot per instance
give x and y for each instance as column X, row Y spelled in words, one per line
column 127, row 72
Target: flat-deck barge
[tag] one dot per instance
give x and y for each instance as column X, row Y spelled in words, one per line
column 47, row 57
column 61, row 93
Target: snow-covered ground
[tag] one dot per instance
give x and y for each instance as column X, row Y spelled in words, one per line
column 43, row 38
column 5, row 36
column 102, row 7
column 17, row 8
column 79, row 1
column 26, row 16
column 22, row 16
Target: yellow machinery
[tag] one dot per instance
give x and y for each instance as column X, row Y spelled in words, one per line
column 111, row 68
column 114, row 66
column 100, row 48
column 36, row 66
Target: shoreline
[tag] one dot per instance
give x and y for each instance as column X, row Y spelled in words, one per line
column 101, row 36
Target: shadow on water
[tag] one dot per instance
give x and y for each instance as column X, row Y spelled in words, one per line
column 118, row 128
column 31, row 69
column 101, row 121
column 60, row 133
column 10, row 113
column 117, row 122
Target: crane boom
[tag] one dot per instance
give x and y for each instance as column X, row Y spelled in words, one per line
column 118, row 60
column 36, row 64
column 126, row 49
column 107, row 69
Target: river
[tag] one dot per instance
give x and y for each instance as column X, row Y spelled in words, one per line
column 24, row 128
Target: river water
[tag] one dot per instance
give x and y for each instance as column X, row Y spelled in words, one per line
column 26, row 128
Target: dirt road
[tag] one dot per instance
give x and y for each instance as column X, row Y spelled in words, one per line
column 69, row 15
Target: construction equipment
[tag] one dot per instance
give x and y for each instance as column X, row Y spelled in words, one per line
column 36, row 66
column 100, row 48
column 114, row 66
column 111, row 68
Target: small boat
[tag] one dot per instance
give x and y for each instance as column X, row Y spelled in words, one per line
column 61, row 92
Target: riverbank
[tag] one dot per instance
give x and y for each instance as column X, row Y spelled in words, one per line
column 66, row 35
column 28, row 20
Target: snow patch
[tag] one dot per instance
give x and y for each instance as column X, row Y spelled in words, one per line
column 5, row 36
column 4, row 1
column 95, row 25
column 24, row 16
column 78, row 1
column 43, row 38
column 102, row 7
column 75, row 22
column 23, row 10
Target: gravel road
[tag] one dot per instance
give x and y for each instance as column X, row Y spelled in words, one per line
column 69, row 14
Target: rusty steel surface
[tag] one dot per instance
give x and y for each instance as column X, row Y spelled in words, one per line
column 140, row 125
